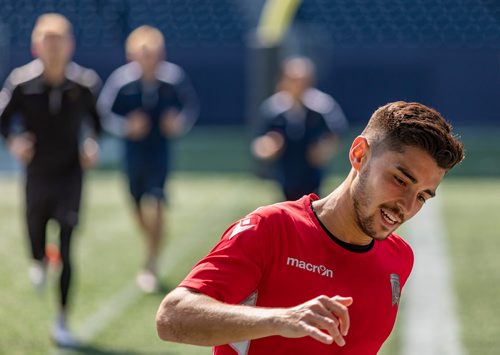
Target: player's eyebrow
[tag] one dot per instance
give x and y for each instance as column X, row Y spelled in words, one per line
column 406, row 173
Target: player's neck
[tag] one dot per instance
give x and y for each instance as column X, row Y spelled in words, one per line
column 336, row 212
column 148, row 76
column 54, row 75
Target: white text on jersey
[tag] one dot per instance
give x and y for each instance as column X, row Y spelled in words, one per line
column 319, row 269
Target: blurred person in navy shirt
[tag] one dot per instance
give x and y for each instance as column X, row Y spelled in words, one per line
column 300, row 130
column 148, row 102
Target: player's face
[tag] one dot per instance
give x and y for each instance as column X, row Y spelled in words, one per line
column 149, row 59
column 295, row 86
column 55, row 49
column 391, row 188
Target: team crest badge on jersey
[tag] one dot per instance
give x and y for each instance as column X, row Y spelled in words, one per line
column 243, row 225
column 396, row 289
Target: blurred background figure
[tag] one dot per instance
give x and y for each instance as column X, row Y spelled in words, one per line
column 148, row 102
column 47, row 111
column 301, row 128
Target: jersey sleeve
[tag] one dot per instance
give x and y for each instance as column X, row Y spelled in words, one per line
column 186, row 97
column 406, row 258
column 409, row 260
column 111, row 103
column 271, row 116
column 189, row 102
column 322, row 103
column 9, row 106
column 94, row 120
column 234, row 267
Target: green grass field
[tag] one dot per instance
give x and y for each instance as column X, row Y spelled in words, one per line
column 117, row 319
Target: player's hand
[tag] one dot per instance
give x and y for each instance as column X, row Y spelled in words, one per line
column 320, row 313
column 171, row 123
column 320, row 153
column 89, row 153
column 22, row 147
column 138, row 125
column 268, row 146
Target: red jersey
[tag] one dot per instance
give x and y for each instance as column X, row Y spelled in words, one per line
column 281, row 256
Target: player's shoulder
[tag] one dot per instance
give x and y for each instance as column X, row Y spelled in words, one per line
column 170, row 73
column 262, row 221
column 275, row 208
column 282, row 212
column 398, row 244
column 318, row 101
column 276, row 104
column 124, row 75
column 83, row 76
column 267, row 224
column 25, row 73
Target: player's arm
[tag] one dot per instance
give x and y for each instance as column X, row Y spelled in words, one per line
column 335, row 124
column 187, row 316
column 322, row 150
column 178, row 120
column 268, row 146
column 270, row 140
column 21, row 144
column 190, row 106
column 8, row 107
column 92, row 127
column 94, row 85
column 111, row 105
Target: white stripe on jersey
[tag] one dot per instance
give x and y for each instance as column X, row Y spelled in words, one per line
column 242, row 347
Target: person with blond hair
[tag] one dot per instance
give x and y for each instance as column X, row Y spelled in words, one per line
column 49, row 120
column 148, row 102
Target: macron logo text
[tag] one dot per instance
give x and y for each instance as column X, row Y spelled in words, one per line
column 318, row 269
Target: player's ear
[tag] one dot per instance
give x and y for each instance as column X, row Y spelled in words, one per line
column 34, row 49
column 358, row 152
column 130, row 56
column 71, row 46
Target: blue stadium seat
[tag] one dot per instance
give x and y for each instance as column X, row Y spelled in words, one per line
column 473, row 23
column 427, row 23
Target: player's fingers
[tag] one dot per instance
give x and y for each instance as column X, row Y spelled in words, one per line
column 317, row 334
column 323, row 319
column 338, row 306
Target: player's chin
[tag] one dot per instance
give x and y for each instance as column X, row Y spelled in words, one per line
column 383, row 234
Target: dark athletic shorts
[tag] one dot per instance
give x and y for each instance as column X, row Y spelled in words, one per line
column 149, row 181
column 57, row 198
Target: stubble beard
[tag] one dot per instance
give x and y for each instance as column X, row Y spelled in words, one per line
column 361, row 201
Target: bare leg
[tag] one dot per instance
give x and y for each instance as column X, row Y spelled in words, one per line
column 150, row 216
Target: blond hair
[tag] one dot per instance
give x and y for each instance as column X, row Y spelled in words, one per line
column 51, row 23
column 144, row 38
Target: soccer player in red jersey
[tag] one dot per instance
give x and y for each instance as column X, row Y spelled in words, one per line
column 320, row 276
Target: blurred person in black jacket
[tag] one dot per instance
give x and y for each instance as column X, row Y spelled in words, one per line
column 49, row 120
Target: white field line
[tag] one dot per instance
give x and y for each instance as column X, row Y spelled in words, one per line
column 429, row 322
column 123, row 299
column 119, row 302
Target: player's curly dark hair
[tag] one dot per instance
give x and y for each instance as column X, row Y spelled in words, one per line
column 399, row 124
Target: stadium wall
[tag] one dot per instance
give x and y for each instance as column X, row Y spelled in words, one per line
column 463, row 84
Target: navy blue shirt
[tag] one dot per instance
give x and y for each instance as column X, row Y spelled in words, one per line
column 317, row 115
column 124, row 92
